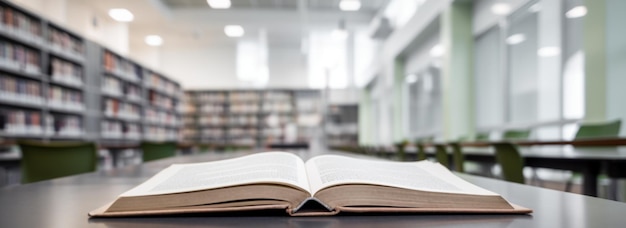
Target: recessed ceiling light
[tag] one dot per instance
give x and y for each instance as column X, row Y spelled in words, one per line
column 501, row 9
column 548, row 51
column 411, row 78
column 350, row 5
column 576, row 12
column 233, row 30
column 122, row 15
column 219, row 4
column 154, row 40
column 437, row 51
column 516, row 39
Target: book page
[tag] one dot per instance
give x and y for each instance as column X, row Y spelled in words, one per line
column 267, row 167
column 328, row 170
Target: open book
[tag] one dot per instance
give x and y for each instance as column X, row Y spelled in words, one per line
column 324, row 185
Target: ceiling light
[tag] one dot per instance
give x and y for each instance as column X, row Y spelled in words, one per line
column 219, row 4
column 576, row 12
column 437, row 51
column 350, row 5
column 501, row 9
column 548, row 51
column 535, row 8
column 122, row 15
column 154, row 40
column 233, row 30
column 411, row 78
column 516, row 39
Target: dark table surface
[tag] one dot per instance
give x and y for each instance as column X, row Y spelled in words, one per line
column 65, row 202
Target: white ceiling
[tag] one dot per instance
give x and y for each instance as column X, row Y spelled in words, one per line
column 193, row 21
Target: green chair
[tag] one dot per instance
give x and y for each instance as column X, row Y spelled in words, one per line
column 511, row 162
column 595, row 130
column 599, row 130
column 483, row 136
column 153, row 150
column 516, row 134
column 442, row 155
column 457, row 157
column 421, row 152
column 43, row 161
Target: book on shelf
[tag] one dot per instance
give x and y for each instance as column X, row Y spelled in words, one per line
column 324, row 185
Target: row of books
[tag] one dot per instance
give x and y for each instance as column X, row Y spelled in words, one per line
column 114, row 87
column 212, row 133
column 66, row 99
column 159, row 117
column 19, row 24
column 20, row 90
column 208, row 97
column 211, row 120
column 19, row 57
column 66, row 72
column 189, row 132
column 277, row 96
column 277, row 107
column 244, row 96
column 244, row 108
column 211, row 108
column 62, row 41
column 22, row 122
column 161, row 101
column 118, row 130
column 122, row 67
column 114, row 108
column 157, row 82
column 308, row 105
column 160, row 133
column 242, row 132
column 66, row 125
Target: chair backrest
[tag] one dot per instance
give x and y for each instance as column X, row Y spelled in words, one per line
column 516, row 134
column 482, row 136
column 43, row 161
column 442, row 155
column 609, row 129
column 457, row 157
column 157, row 150
column 511, row 162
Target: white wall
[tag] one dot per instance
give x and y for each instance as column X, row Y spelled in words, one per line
column 199, row 67
column 616, row 59
column 287, row 68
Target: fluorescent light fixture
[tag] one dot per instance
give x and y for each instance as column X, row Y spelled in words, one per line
column 535, row 8
column 219, row 4
column 233, row 30
column 516, row 39
column 437, row 51
column 411, row 78
column 501, row 9
column 576, row 12
column 154, row 40
column 350, row 5
column 548, row 51
column 122, row 15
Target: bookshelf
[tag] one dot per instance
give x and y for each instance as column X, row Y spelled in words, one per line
column 342, row 125
column 245, row 117
column 56, row 85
